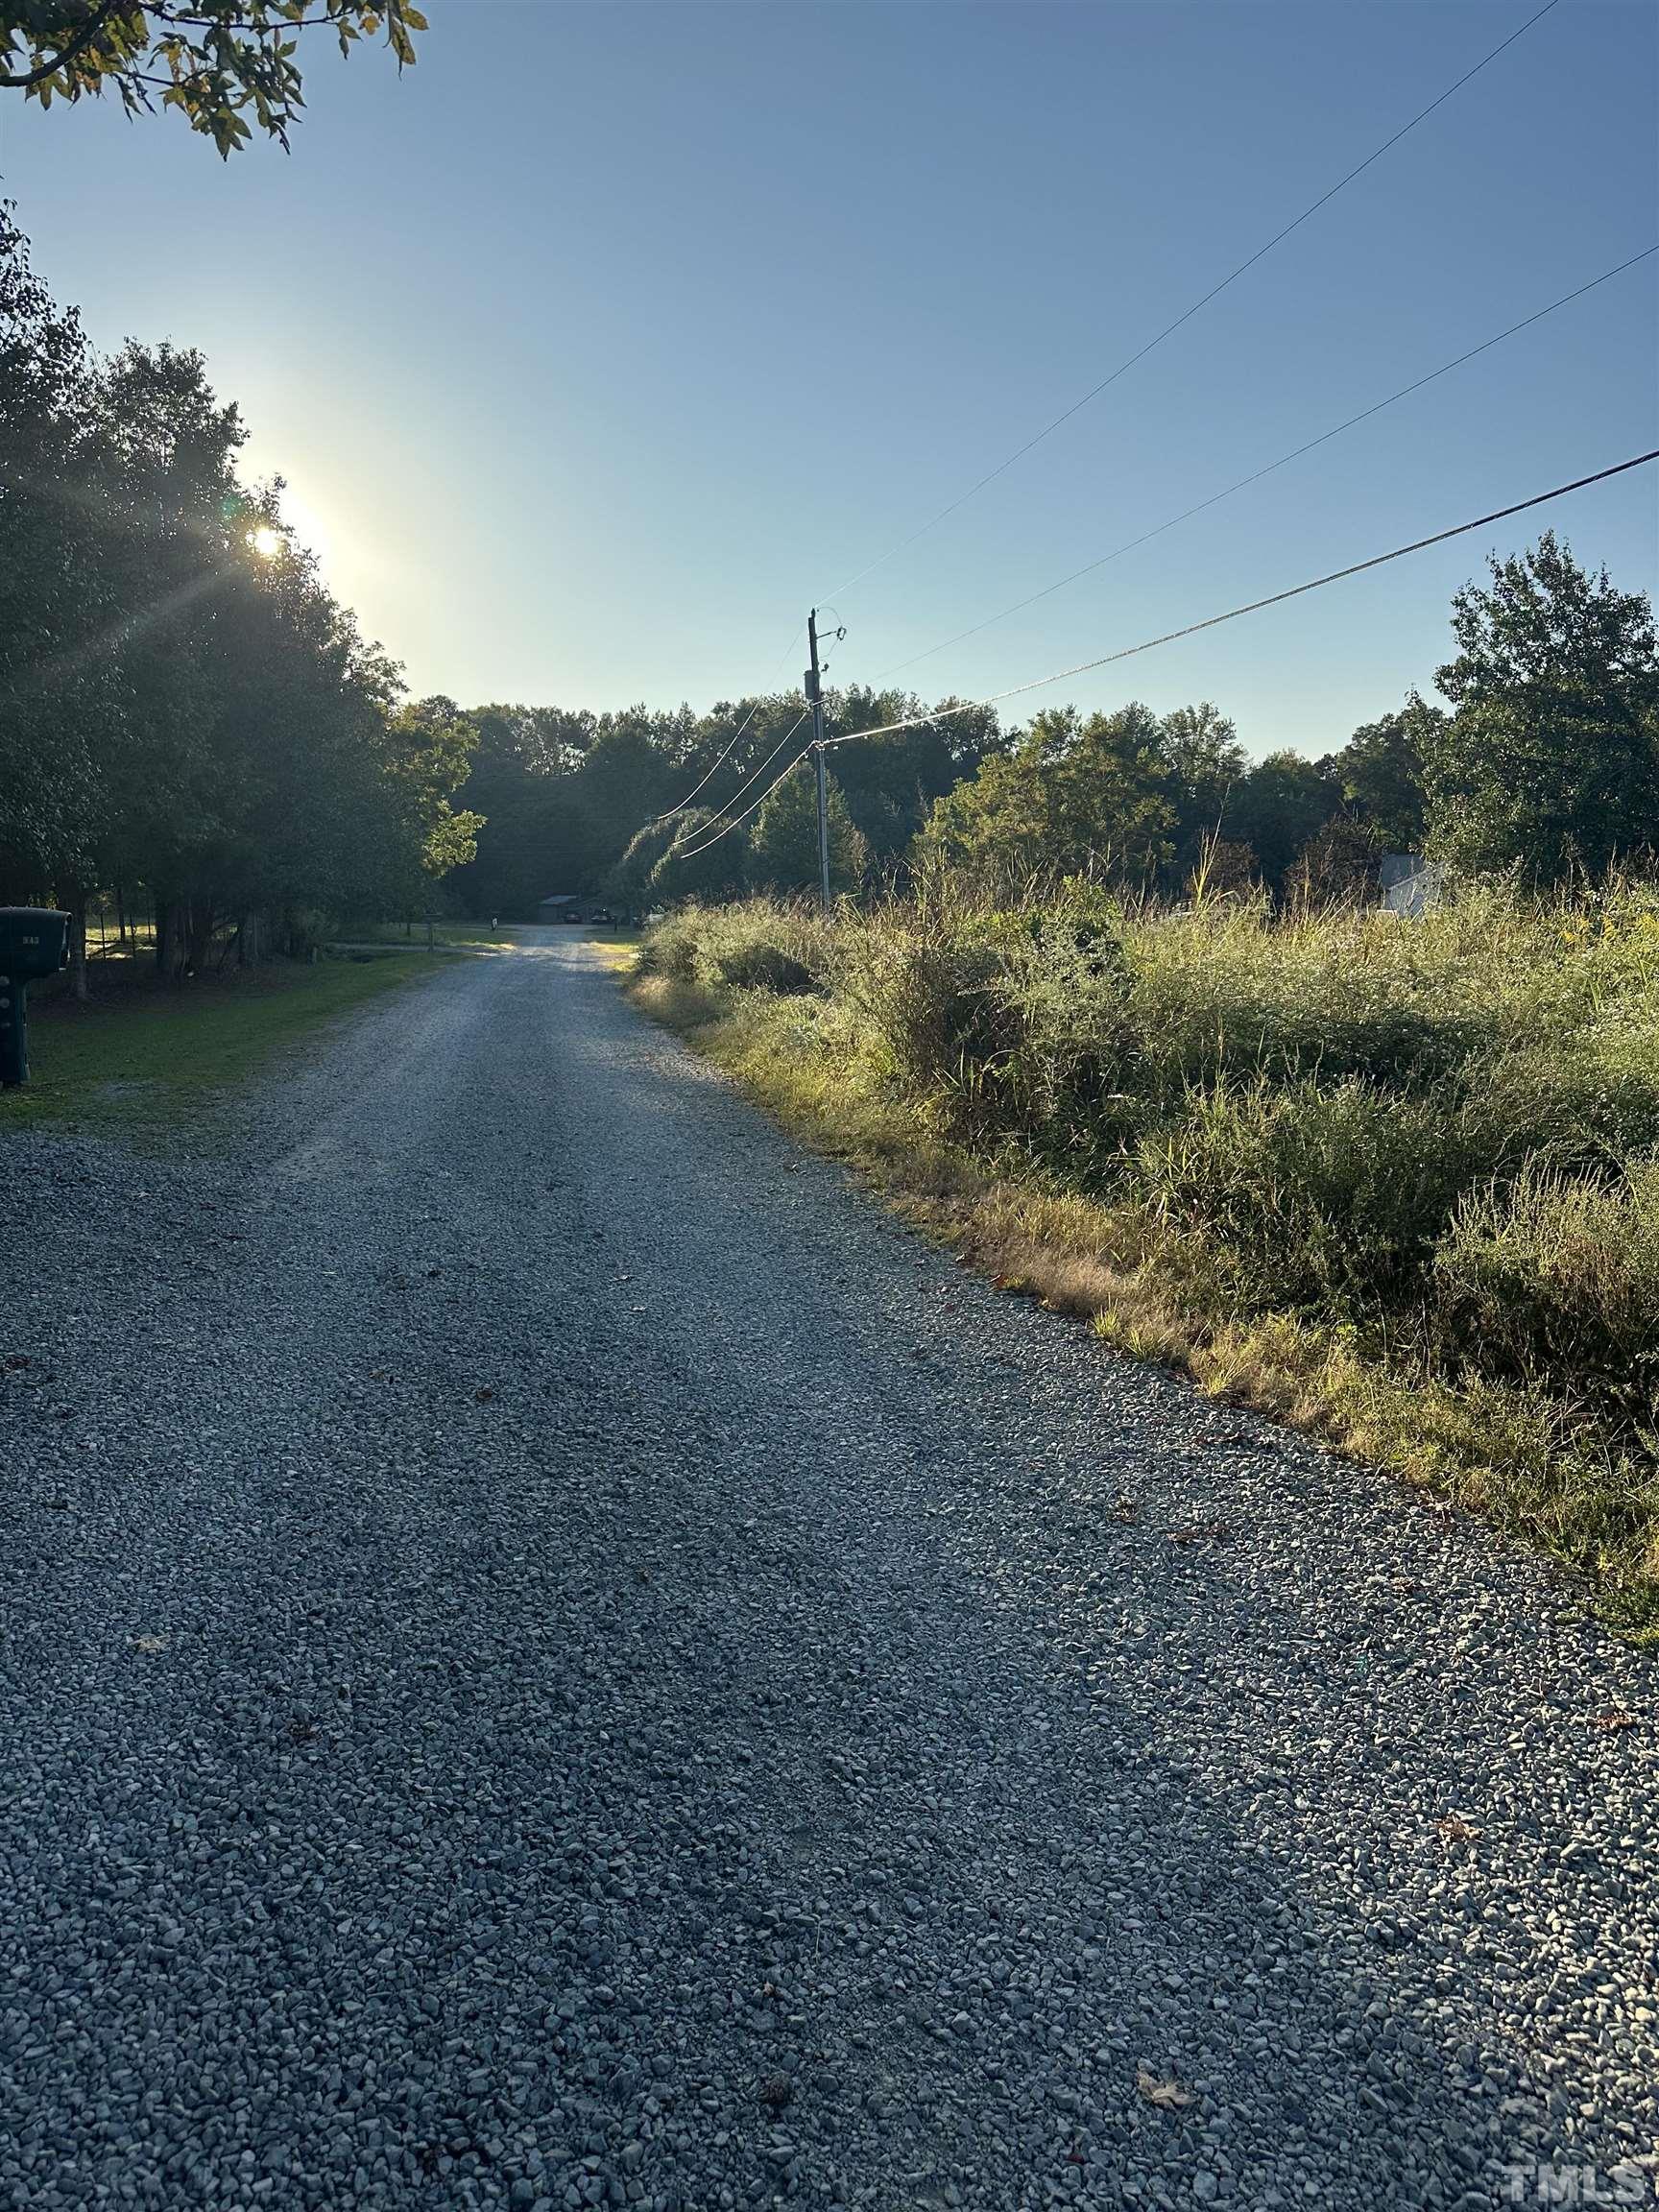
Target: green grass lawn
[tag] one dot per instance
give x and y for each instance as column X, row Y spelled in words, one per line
column 142, row 1058
column 617, row 946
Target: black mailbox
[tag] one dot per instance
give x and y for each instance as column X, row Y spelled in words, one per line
column 33, row 942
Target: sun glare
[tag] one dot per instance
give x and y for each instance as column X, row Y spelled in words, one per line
column 266, row 542
column 305, row 525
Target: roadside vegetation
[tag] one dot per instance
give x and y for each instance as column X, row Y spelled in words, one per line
column 1391, row 1176
column 1394, row 1181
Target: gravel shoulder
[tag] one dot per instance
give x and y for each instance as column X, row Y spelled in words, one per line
column 551, row 1655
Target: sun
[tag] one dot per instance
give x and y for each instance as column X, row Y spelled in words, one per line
column 266, row 542
column 306, row 526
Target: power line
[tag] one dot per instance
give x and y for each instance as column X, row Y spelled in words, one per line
column 688, row 852
column 756, row 774
column 1188, row 314
column 1252, row 607
column 730, row 745
column 719, row 763
column 1284, row 459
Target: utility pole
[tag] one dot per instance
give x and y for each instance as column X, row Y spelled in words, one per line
column 815, row 694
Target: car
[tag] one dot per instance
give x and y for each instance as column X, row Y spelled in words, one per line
column 603, row 915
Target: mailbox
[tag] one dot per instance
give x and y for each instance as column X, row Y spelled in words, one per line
column 33, row 942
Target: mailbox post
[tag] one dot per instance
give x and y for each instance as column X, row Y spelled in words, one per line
column 33, row 942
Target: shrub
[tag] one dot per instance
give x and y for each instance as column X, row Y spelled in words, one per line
column 998, row 1016
column 762, row 965
column 934, row 1007
column 1225, row 993
column 1318, row 1194
column 671, row 950
column 1398, row 1180
column 754, row 944
column 1580, row 1097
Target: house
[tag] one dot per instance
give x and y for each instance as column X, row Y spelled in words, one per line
column 1408, row 884
column 560, row 907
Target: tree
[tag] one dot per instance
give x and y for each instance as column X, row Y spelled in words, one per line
column 1338, row 866
column 1283, row 803
column 1381, row 771
column 784, row 851
column 1550, row 761
column 184, row 706
column 188, row 637
column 624, row 780
column 514, row 784
column 57, row 705
column 1071, row 797
column 890, row 783
column 693, row 860
column 587, row 802
column 1199, row 747
column 1225, row 868
column 214, row 61
column 429, row 746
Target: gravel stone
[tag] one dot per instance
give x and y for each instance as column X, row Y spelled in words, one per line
column 509, row 1653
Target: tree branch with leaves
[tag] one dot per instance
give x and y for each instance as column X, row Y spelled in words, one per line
column 225, row 65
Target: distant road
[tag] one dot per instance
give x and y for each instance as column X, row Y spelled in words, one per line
column 553, row 1655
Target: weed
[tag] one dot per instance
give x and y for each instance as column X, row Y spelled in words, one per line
column 1393, row 1182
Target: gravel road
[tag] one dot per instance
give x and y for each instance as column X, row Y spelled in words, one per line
column 554, row 1657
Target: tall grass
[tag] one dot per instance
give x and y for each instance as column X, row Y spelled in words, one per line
column 1399, row 1178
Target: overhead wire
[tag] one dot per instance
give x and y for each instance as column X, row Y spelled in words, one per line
column 1147, row 645
column 1169, row 329
column 689, row 851
column 730, row 745
column 1215, row 499
column 703, row 841
column 1251, row 607
column 713, row 770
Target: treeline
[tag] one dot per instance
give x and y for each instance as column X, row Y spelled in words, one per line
column 187, row 717
column 1544, row 763
column 189, row 721
column 1546, row 766
column 585, row 802
column 578, row 803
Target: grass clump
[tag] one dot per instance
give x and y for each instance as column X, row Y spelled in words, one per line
column 1394, row 1180
column 1322, row 1197
column 1556, row 1275
column 756, row 945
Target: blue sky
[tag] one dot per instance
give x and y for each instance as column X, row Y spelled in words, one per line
column 599, row 344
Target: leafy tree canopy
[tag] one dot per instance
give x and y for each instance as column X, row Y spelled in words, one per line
column 1199, row 747
column 430, row 744
column 1338, row 866
column 1380, row 772
column 1074, row 796
column 184, row 707
column 218, row 63
column 783, row 851
column 1547, row 622
column 1280, row 807
column 1549, row 761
